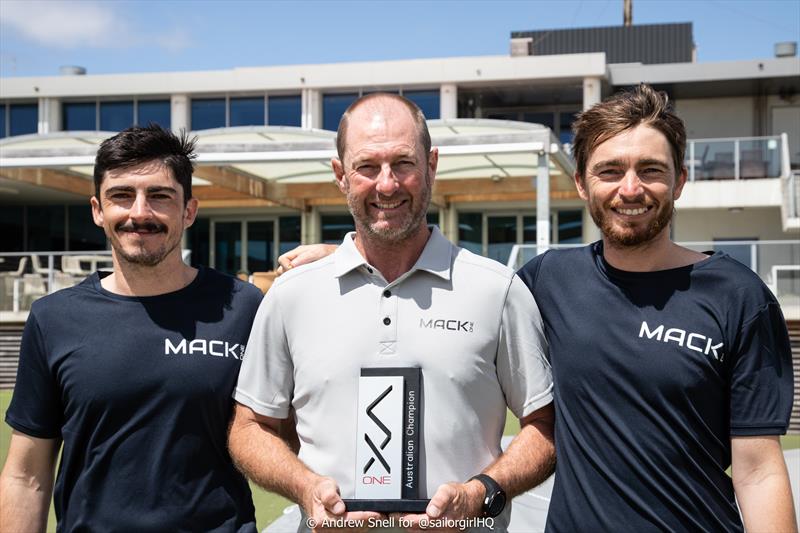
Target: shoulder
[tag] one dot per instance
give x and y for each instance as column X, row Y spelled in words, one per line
column 306, row 277
column 64, row 300
column 555, row 261
column 230, row 288
column 466, row 262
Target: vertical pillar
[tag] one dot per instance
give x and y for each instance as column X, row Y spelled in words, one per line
column 181, row 115
column 591, row 92
column 311, row 101
column 310, row 226
column 49, row 115
column 591, row 232
column 448, row 100
column 543, row 202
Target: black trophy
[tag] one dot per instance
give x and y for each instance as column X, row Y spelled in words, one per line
column 387, row 446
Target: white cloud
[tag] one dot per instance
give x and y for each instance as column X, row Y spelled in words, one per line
column 71, row 24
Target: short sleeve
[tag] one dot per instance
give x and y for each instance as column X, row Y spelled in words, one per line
column 266, row 377
column 522, row 365
column 761, row 376
column 35, row 407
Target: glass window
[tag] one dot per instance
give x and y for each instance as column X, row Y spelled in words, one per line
column 570, row 227
column 78, row 116
column 335, row 227
column 428, row 101
column 45, row 228
column 156, row 112
column 260, row 240
column 12, row 230
column 433, row 218
column 23, row 119
column 247, row 111
column 289, row 231
column 470, row 229
column 511, row 115
column 545, row 119
column 228, row 247
column 529, row 229
column 502, row 236
column 333, row 107
column 198, row 241
column 116, row 116
column 566, row 118
column 2, row 120
column 284, row 110
column 83, row 233
column 208, row 113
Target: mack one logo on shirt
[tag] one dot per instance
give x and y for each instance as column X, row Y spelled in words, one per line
column 204, row 347
column 693, row 341
column 464, row 326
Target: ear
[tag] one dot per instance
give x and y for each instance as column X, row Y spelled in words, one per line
column 338, row 172
column 97, row 211
column 680, row 181
column 190, row 212
column 433, row 164
column 580, row 185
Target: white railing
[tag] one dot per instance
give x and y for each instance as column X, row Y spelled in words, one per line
column 776, row 263
column 27, row 276
column 738, row 158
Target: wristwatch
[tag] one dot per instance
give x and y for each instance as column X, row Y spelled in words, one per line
column 495, row 500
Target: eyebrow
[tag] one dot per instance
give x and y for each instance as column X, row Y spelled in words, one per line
column 621, row 163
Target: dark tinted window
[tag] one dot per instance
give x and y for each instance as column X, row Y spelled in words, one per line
column 432, row 217
column 12, row 230
column 284, row 110
column 45, row 228
column 2, row 120
column 566, row 119
column 208, row 113
column 289, row 233
column 157, row 112
column 198, row 237
column 24, row 119
column 428, row 101
column 570, row 227
column 545, row 119
column 116, row 116
column 333, row 107
column 335, row 227
column 247, row 111
column 83, row 234
column 470, row 230
column 78, row 116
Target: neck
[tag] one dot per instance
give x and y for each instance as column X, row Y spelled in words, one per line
column 659, row 253
column 392, row 259
column 132, row 279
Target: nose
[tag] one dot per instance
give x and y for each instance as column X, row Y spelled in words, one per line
column 386, row 182
column 631, row 185
column 140, row 209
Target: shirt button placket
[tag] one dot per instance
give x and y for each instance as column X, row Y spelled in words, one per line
column 387, row 316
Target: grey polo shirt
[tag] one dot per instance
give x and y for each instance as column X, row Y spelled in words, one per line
column 468, row 322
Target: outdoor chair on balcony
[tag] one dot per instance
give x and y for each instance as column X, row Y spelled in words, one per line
column 752, row 165
column 722, row 167
column 7, row 278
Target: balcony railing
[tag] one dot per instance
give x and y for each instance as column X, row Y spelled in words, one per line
column 738, row 158
column 776, row 262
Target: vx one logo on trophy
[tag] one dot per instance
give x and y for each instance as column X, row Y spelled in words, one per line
column 388, row 441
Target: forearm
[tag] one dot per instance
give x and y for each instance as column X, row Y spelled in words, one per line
column 265, row 458
column 765, row 499
column 24, row 501
column 529, row 459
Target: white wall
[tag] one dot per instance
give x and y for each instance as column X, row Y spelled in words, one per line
column 763, row 223
column 717, row 117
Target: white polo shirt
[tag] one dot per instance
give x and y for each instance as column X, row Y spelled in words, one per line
column 468, row 322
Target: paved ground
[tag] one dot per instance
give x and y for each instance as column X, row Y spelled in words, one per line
column 530, row 509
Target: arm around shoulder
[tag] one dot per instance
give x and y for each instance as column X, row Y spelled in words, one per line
column 26, row 482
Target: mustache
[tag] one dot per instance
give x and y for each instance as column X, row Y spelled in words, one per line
column 151, row 227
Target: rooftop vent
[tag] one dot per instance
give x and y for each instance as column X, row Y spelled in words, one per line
column 72, row 70
column 786, row 49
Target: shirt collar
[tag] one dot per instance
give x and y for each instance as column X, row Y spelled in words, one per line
column 435, row 257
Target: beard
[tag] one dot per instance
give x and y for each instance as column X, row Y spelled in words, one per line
column 139, row 254
column 377, row 229
column 623, row 234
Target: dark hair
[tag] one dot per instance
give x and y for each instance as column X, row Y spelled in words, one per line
column 416, row 114
column 137, row 145
column 623, row 111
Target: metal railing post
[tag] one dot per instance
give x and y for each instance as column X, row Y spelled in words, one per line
column 736, row 161
column 51, row 275
column 692, row 162
column 754, row 257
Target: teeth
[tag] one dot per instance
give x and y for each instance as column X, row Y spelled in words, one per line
column 631, row 212
column 387, row 206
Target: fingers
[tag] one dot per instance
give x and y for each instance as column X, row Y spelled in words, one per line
column 440, row 502
column 327, row 493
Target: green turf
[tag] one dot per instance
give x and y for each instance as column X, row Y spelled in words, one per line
column 270, row 506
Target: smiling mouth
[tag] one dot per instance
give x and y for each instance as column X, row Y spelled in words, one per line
column 632, row 211
column 388, row 205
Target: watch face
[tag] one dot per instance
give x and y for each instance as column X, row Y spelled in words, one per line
column 496, row 504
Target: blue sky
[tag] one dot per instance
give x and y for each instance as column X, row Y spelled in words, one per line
column 36, row 37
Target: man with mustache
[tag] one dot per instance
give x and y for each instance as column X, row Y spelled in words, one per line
column 366, row 306
column 132, row 370
column 669, row 365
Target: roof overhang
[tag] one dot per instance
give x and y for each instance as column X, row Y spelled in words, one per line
column 480, row 160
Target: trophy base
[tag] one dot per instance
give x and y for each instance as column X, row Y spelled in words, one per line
column 387, row 506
